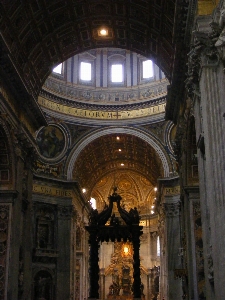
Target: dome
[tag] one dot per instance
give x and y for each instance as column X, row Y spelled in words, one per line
column 106, row 85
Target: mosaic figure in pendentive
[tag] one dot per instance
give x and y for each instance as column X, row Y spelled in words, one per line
column 51, row 141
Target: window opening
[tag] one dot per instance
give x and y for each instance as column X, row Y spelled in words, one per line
column 147, row 69
column 58, row 69
column 85, row 71
column 158, row 246
column 93, row 203
column 117, row 73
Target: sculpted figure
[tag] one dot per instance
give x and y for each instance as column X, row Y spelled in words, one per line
column 221, row 40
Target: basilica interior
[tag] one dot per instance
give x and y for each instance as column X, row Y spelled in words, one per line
column 112, row 150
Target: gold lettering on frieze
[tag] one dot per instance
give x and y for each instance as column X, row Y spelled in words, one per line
column 52, row 191
column 172, row 190
column 102, row 115
column 206, row 7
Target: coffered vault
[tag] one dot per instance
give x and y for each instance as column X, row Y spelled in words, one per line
column 99, row 154
column 41, row 34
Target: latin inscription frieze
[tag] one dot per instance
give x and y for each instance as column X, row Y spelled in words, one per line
column 102, row 115
column 52, row 191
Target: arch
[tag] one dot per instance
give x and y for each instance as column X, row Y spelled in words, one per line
column 150, row 139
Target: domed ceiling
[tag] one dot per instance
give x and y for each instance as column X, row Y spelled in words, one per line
column 121, row 159
column 40, row 34
column 134, row 97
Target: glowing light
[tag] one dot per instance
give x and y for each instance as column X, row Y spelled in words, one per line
column 118, row 138
column 147, row 69
column 152, row 212
column 103, row 32
column 58, row 69
column 117, row 73
column 122, row 164
column 93, row 203
column 155, row 189
column 85, row 71
column 84, row 190
column 120, row 150
column 126, row 250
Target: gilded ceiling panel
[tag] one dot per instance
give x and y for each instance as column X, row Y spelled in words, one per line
column 108, row 155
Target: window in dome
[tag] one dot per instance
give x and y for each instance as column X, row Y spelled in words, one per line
column 117, row 73
column 58, row 69
column 147, row 68
column 85, row 71
column 93, row 203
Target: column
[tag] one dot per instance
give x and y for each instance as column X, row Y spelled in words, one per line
column 148, row 294
column 6, row 203
column 93, row 263
column 105, row 68
column 136, row 233
column 20, row 226
column 63, row 261
column 191, row 202
column 173, row 243
column 128, row 68
column 98, row 68
column 102, row 284
column 209, row 58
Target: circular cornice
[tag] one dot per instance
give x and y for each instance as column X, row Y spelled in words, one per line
column 155, row 110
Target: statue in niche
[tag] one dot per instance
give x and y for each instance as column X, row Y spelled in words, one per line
column 43, row 286
column 78, row 239
column 45, row 228
column 221, row 39
column 114, row 289
column 43, row 236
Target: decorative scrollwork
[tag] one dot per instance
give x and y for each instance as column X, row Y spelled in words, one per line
column 172, row 209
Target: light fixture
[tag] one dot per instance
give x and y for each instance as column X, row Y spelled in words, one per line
column 119, row 150
column 103, row 32
column 125, row 250
column 84, row 190
column 155, row 189
column 118, row 138
column 122, row 164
